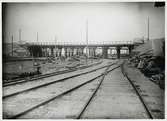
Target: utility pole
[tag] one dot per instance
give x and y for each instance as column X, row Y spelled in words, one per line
column 20, row 35
column 37, row 37
column 12, row 45
column 87, row 41
column 148, row 27
column 55, row 46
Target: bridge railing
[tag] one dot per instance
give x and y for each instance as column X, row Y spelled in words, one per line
column 82, row 43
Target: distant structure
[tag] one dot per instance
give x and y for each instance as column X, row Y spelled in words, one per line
column 37, row 49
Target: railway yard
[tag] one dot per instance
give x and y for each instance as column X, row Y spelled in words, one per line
column 102, row 90
column 83, row 60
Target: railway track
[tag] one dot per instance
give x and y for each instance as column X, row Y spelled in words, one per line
column 98, row 75
column 134, row 87
column 51, row 82
column 87, row 104
column 22, row 80
column 138, row 93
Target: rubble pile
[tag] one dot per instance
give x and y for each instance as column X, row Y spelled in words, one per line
column 151, row 64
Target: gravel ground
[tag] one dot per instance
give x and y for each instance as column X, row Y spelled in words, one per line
column 68, row 106
column 22, row 86
column 31, row 98
column 18, row 67
column 116, row 99
column 151, row 93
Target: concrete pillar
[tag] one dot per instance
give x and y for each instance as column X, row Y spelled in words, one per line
column 43, row 52
column 89, row 51
column 77, row 51
column 94, row 52
column 52, row 54
column 110, row 51
column 72, row 51
column 105, row 52
column 69, row 52
column 130, row 50
column 46, row 51
column 81, row 51
column 118, row 52
column 65, row 52
column 60, row 50
column 46, row 54
column 56, row 53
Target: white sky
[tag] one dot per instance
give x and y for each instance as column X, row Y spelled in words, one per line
column 67, row 21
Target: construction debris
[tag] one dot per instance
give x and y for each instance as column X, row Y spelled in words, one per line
column 151, row 63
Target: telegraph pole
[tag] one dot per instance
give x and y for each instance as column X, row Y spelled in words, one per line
column 12, row 45
column 55, row 46
column 37, row 37
column 148, row 27
column 20, row 35
column 87, row 41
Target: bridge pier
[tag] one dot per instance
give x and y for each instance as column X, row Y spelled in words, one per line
column 130, row 50
column 59, row 52
column 56, row 52
column 111, row 51
column 118, row 52
column 52, row 54
column 92, row 52
column 105, row 52
column 65, row 52
column 82, row 51
column 43, row 52
column 77, row 51
column 72, row 51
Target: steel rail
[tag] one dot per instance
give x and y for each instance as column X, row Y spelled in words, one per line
column 57, row 96
column 22, row 80
column 137, row 92
column 49, row 83
column 94, row 93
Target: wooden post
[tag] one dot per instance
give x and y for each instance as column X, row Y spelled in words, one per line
column 148, row 29
column 12, row 45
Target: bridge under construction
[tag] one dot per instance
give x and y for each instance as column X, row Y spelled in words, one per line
column 37, row 49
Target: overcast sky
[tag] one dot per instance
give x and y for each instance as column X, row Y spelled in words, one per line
column 67, row 21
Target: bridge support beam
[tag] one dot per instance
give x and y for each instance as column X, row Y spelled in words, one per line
column 105, row 52
column 82, row 51
column 52, row 54
column 42, row 52
column 59, row 52
column 130, row 50
column 65, row 52
column 118, row 52
column 111, row 51
column 56, row 53
column 77, row 51
column 92, row 52
column 72, row 51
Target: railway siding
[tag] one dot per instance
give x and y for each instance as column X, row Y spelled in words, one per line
column 153, row 96
column 67, row 106
column 27, row 100
column 116, row 98
column 23, row 86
